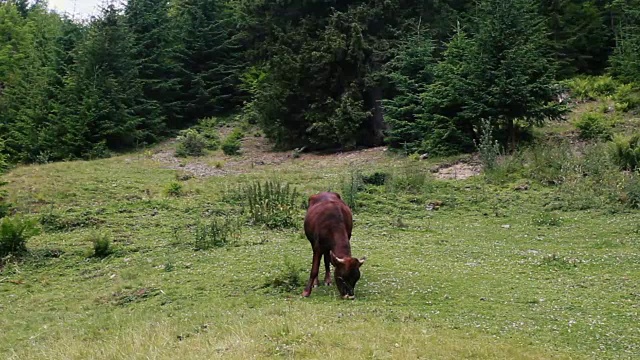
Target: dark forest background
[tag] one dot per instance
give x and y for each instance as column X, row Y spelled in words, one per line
column 419, row 76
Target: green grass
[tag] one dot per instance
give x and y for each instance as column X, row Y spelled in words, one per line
column 451, row 283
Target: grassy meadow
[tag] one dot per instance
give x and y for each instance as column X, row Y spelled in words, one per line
column 532, row 260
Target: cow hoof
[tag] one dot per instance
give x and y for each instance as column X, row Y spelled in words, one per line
column 327, row 283
column 349, row 297
column 306, row 293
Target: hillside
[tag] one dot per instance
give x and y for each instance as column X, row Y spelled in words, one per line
column 511, row 263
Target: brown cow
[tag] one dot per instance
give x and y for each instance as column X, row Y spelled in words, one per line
column 328, row 225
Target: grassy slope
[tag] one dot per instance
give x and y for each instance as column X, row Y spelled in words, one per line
column 447, row 284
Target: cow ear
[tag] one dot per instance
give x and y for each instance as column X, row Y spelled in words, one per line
column 335, row 260
column 361, row 261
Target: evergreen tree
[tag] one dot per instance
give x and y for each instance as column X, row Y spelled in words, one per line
column 625, row 61
column 30, row 98
column 512, row 68
column 323, row 65
column 153, row 46
column 102, row 94
column 579, row 34
column 502, row 72
column 207, row 57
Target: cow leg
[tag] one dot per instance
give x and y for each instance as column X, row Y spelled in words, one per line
column 327, row 268
column 315, row 267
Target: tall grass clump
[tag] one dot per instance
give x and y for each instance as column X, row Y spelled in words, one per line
column 590, row 180
column 626, row 151
column 410, row 178
column 488, row 148
column 548, row 162
column 288, row 278
column 190, row 143
column 272, row 204
column 593, row 126
column 14, row 234
column 216, row 233
column 350, row 185
column 102, row 245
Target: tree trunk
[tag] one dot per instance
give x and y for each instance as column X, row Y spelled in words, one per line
column 377, row 120
column 512, row 135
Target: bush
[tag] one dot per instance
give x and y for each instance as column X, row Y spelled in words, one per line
column 208, row 128
column 631, row 195
column 488, row 148
column 231, row 144
column 272, row 204
column 190, row 143
column 216, row 233
column 627, row 98
column 626, row 151
column 376, row 179
column 593, row 126
column 592, row 87
column 231, row 147
column 14, row 233
column 173, row 189
column 101, row 245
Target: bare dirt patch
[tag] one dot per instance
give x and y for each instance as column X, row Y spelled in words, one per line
column 196, row 168
column 458, row 171
column 256, row 151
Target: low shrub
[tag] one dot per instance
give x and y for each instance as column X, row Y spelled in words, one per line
column 14, row 234
column 208, row 128
column 173, row 189
column 231, row 144
column 190, row 143
column 592, row 87
column 216, row 233
column 626, row 151
column 593, row 126
column 102, row 245
column 376, row 179
column 627, row 97
column 488, row 148
column 547, row 162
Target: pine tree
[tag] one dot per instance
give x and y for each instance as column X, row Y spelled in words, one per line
column 153, row 46
column 512, row 68
column 207, row 58
column 625, row 61
column 30, row 98
column 579, row 35
column 101, row 94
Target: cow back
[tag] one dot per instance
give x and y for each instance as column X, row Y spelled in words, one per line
column 328, row 221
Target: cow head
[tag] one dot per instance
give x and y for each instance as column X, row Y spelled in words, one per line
column 347, row 274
